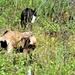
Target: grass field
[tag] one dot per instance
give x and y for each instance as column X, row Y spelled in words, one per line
column 55, row 50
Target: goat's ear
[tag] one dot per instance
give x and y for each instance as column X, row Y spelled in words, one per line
column 26, row 41
column 35, row 13
column 27, row 9
column 35, row 9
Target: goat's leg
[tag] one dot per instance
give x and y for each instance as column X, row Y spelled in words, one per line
column 10, row 49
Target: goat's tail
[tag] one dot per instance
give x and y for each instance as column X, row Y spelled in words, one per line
column 0, row 38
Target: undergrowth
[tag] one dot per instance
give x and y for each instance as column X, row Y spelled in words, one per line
column 55, row 49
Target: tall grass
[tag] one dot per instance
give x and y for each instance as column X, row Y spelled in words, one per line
column 53, row 55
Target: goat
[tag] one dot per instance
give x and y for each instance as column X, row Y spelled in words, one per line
column 11, row 39
column 27, row 15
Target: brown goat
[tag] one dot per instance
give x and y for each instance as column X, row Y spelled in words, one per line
column 13, row 39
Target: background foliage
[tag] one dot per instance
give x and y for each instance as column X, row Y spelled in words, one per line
column 55, row 32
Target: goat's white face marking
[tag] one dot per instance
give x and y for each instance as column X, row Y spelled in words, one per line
column 33, row 19
column 31, row 42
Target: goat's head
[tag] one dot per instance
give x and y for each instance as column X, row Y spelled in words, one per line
column 27, row 43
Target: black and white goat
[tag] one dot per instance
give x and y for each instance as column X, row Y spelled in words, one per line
column 28, row 15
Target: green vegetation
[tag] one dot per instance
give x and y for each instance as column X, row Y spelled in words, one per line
column 55, row 34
